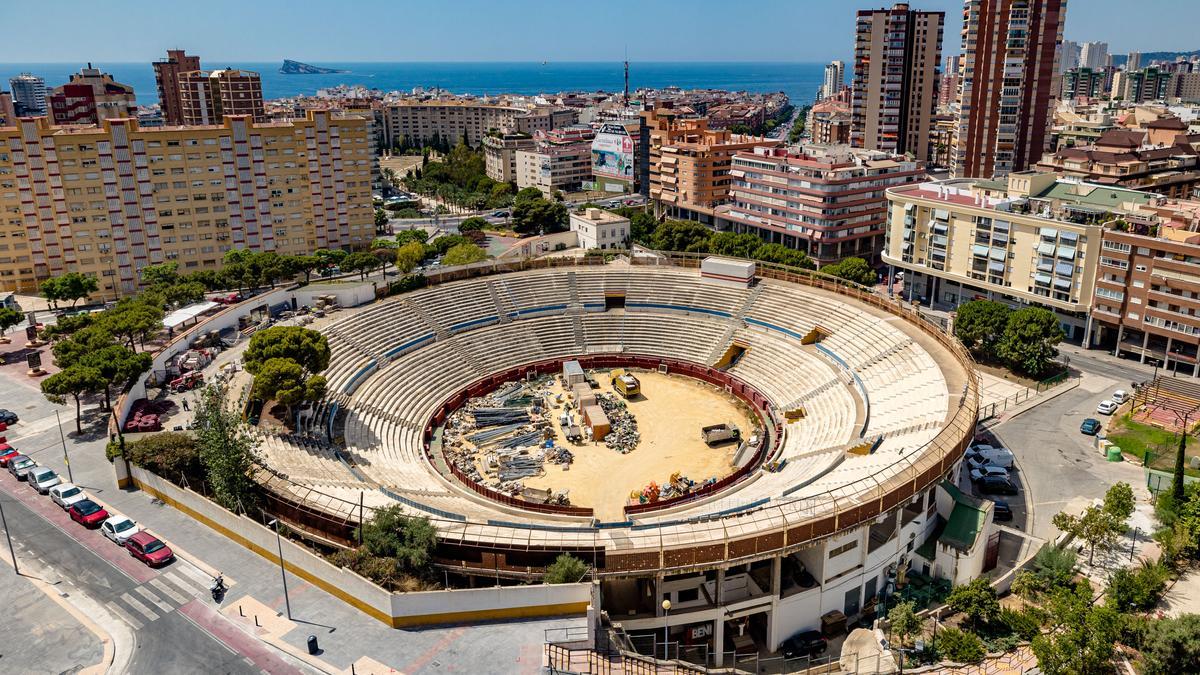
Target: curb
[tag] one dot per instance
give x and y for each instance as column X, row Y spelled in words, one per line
column 1028, row 405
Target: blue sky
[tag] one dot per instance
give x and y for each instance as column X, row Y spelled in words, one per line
column 516, row 30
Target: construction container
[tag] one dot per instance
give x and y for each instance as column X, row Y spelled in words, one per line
column 572, row 374
column 727, row 272
column 584, row 396
column 597, row 421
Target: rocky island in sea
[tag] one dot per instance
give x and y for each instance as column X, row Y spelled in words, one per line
column 296, row 68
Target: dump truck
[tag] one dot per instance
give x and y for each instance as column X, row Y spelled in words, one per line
column 625, row 383
column 720, row 433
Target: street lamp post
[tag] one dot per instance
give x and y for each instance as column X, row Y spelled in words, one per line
column 7, row 535
column 282, row 572
column 66, row 457
column 666, row 605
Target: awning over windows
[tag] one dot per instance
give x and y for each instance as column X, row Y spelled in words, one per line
column 1043, row 279
column 998, row 254
column 979, row 250
column 1064, row 269
column 1046, row 249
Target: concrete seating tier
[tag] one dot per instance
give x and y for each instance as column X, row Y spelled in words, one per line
column 404, row 356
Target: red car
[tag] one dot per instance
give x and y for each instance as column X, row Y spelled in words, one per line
column 88, row 513
column 7, row 452
column 149, row 549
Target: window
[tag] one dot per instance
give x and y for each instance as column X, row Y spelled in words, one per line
column 844, row 548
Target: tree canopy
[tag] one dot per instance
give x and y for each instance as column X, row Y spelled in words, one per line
column 852, row 269
column 976, row 599
column 75, row 381
column 1028, row 345
column 71, row 286
column 283, row 380
column 227, row 451
column 534, row 214
column 407, row 542
column 464, row 254
column 980, row 325
column 308, row 348
column 566, row 569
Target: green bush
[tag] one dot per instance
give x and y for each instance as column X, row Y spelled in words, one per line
column 959, row 646
column 1024, row 625
column 566, row 569
column 409, row 282
column 1137, row 589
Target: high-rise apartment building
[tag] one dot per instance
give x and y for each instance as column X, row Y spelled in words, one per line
column 1133, row 61
column 897, row 53
column 91, row 97
column 1083, row 83
column 1094, row 55
column 416, row 123
column 1009, row 86
column 29, row 95
column 835, row 79
column 1147, row 84
column 560, row 160
column 828, row 201
column 109, row 199
column 207, row 96
column 948, row 83
column 500, row 154
column 166, row 74
column 1069, row 56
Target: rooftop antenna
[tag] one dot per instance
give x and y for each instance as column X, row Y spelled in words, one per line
column 626, row 76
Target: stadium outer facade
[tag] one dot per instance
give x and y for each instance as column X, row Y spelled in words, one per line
column 723, row 567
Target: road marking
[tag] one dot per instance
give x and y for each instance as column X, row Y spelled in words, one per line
column 123, row 615
column 201, row 580
column 154, row 599
column 188, row 589
column 167, row 591
column 133, row 602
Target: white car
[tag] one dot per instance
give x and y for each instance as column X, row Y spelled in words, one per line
column 118, row 528
column 988, row 470
column 42, row 479
column 1120, row 396
column 1106, row 407
column 66, row 494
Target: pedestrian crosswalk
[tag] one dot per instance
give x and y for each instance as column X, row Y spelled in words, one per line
column 160, row 596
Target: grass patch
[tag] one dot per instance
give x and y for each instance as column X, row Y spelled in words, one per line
column 1136, row 439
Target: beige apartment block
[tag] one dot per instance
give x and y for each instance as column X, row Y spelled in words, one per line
column 416, row 122
column 1028, row 239
column 500, row 155
column 111, row 199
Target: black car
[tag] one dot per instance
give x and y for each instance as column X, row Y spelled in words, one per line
column 808, row 643
column 1002, row 511
column 996, row 485
column 8, row 416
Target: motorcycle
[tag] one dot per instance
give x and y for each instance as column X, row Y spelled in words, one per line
column 217, row 587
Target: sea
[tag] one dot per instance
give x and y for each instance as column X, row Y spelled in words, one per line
column 798, row 80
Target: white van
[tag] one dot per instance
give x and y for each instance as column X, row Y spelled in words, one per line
column 1119, row 396
column 1002, row 457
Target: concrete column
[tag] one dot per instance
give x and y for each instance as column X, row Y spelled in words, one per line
column 1120, row 334
column 719, row 640
column 776, row 576
column 720, row 588
column 658, row 583
column 1167, row 354
column 1087, row 333
column 1145, row 343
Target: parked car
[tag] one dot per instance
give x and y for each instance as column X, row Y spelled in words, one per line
column 7, row 452
column 1120, row 396
column 996, row 485
column 42, row 478
column 118, row 528
column 8, row 417
column 67, row 494
column 20, row 465
column 87, row 513
column 1106, row 407
column 1090, row 426
column 989, row 470
column 807, row 643
column 149, row 549
column 998, row 456
column 1002, row 511
column 500, row 214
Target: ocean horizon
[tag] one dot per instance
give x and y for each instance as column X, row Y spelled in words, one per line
column 799, row 80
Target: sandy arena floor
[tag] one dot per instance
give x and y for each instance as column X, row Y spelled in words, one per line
column 669, row 413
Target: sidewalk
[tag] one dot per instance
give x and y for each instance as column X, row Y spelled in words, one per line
column 345, row 635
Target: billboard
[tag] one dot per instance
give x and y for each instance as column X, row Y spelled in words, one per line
column 612, row 153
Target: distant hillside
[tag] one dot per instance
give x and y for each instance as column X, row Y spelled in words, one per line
column 1148, row 57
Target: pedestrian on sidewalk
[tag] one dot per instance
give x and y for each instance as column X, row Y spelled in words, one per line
column 185, row 405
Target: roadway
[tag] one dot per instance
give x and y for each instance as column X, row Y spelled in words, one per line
column 160, row 620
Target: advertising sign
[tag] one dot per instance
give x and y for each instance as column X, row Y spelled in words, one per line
column 612, row 153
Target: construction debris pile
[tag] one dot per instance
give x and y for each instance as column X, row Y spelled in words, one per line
column 623, row 433
column 501, row 438
column 677, row 486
